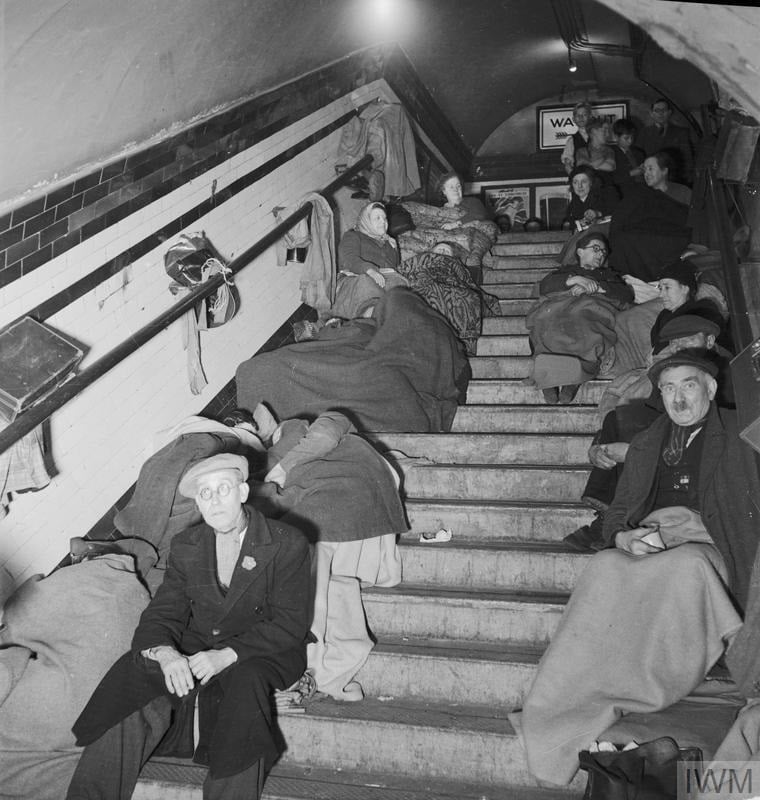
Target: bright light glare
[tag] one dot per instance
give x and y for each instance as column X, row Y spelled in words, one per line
column 386, row 16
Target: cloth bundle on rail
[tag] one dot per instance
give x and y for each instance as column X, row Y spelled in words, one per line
column 190, row 262
column 383, row 131
column 318, row 234
column 22, row 467
column 402, row 370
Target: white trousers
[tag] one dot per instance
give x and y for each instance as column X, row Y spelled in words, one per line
column 339, row 570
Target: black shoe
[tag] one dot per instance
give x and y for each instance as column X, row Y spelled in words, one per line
column 81, row 549
column 567, row 393
column 589, row 538
column 551, row 395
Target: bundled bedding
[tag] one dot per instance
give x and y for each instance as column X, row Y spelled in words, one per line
column 404, row 369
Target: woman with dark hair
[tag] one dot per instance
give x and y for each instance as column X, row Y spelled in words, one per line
column 678, row 290
column 367, row 258
column 449, row 187
column 589, row 201
column 650, row 226
column 657, row 170
column 572, row 327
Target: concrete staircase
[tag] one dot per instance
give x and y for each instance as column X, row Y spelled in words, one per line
column 459, row 640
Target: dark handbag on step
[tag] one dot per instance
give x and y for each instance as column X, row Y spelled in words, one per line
column 647, row 772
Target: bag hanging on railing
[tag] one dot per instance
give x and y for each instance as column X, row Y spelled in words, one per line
column 191, row 261
column 646, row 772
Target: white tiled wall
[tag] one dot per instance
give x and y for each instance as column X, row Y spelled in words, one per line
column 101, row 438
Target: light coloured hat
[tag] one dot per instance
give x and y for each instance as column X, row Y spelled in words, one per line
column 188, row 486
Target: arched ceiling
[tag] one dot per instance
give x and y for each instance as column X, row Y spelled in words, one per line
column 84, row 80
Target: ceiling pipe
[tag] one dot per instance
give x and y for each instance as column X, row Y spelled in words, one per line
column 572, row 29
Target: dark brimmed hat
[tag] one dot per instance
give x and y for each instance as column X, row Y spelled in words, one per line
column 682, row 271
column 188, row 486
column 688, row 325
column 685, row 358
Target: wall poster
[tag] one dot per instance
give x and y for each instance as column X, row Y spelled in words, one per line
column 514, row 201
column 555, row 123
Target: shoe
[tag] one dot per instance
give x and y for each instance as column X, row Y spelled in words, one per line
column 81, row 549
column 567, row 393
column 551, row 395
column 588, row 538
column 592, row 502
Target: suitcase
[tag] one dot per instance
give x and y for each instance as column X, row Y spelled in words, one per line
column 34, row 360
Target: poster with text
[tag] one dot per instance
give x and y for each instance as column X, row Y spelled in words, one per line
column 555, row 123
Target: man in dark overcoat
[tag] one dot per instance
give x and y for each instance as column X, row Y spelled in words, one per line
column 229, row 624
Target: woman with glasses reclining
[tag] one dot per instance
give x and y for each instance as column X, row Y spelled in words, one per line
column 572, row 326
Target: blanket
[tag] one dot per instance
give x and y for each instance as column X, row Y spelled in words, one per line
column 447, row 285
column 631, row 639
column 474, row 236
column 582, row 326
column 402, row 370
column 62, row 634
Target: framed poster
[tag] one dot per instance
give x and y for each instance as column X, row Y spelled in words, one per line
column 555, row 123
column 513, row 201
column 550, row 204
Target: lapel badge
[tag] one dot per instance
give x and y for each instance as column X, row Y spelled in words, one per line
column 249, row 562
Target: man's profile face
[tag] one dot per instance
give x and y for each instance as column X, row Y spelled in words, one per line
column 686, row 393
column 219, row 497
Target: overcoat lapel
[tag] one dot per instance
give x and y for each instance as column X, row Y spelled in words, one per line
column 712, row 449
column 256, row 552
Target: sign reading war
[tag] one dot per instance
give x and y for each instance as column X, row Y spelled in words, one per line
column 555, row 123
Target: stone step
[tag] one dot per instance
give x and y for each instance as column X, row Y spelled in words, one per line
column 494, row 482
column 516, row 307
column 497, row 674
column 528, row 419
column 498, row 367
column 180, row 779
column 488, row 448
column 441, row 741
column 436, row 613
column 530, row 262
column 506, row 275
column 486, row 566
column 509, row 345
column 512, row 291
column 522, row 237
column 478, row 521
column 501, row 326
column 515, row 392
column 533, row 248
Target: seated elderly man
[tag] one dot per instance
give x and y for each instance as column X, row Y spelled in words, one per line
column 610, row 445
column 229, row 624
column 649, row 618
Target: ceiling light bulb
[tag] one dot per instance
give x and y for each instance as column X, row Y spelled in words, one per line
column 571, row 65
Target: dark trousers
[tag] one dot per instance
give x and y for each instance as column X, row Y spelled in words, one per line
column 109, row 767
column 619, row 425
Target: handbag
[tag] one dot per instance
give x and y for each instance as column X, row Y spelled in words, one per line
column 647, row 772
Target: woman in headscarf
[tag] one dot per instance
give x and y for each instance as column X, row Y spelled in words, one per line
column 367, row 257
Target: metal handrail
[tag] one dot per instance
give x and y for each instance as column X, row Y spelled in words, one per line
column 38, row 413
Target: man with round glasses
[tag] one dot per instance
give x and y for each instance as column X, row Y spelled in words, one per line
column 228, row 625
column 572, row 327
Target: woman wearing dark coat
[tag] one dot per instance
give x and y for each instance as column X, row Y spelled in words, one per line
column 368, row 258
